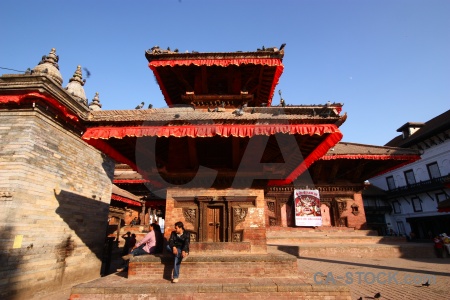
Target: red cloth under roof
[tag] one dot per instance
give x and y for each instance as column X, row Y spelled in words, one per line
column 18, row 99
column 95, row 135
column 133, row 181
column 125, row 200
column 371, row 157
column 207, row 130
column 271, row 62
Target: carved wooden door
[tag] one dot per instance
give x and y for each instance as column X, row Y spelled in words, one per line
column 334, row 214
column 214, row 223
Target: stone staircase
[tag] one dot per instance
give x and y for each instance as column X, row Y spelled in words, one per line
column 342, row 242
column 230, row 271
column 204, row 277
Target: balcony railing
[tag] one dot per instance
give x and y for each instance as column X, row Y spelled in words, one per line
column 419, row 187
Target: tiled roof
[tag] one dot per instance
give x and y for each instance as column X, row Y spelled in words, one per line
column 432, row 127
column 344, row 148
column 157, row 53
column 372, row 190
column 311, row 114
column 123, row 193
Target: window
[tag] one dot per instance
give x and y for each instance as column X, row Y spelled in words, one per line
column 396, row 206
column 390, row 182
column 417, row 204
column 441, row 197
column 433, row 170
column 409, row 176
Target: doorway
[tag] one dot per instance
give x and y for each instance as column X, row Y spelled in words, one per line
column 214, row 224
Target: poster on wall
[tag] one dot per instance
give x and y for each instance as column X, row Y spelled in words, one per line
column 307, row 208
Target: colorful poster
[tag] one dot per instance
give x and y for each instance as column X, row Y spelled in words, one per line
column 307, row 208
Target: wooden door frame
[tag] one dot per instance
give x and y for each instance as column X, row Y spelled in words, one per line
column 204, row 222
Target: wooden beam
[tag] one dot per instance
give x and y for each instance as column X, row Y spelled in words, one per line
column 332, row 173
column 358, row 171
column 204, row 79
column 180, row 77
column 235, row 149
column 258, row 92
column 193, row 159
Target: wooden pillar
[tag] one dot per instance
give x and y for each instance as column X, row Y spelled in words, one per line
column 118, row 229
column 143, row 221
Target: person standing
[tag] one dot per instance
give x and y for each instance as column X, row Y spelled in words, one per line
column 178, row 245
column 126, row 245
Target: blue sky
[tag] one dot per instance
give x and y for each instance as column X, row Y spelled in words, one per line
column 387, row 61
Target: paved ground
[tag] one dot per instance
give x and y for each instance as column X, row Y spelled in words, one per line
column 393, row 278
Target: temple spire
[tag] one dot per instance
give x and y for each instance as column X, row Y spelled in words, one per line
column 49, row 65
column 75, row 86
column 95, row 104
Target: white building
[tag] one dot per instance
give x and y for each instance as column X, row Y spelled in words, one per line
column 416, row 190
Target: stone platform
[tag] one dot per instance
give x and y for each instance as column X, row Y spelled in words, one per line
column 197, row 266
column 237, row 276
column 339, row 242
column 116, row 286
column 229, row 271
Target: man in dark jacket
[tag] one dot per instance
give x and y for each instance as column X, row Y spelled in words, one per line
column 179, row 246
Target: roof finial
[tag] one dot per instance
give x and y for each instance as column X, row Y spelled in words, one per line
column 75, row 86
column 49, row 65
column 282, row 103
column 78, row 76
column 95, row 104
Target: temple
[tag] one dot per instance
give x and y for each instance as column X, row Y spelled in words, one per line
column 223, row 158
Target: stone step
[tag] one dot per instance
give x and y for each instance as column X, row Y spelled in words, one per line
column 406, row 250
column 220, row 248
column 319, row 231
column 198, row 266
column 335, row 239
column 294, row 287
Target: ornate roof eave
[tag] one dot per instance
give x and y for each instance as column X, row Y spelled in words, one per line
column 170, row 55
column 346, row 150
column 42, row 84
column 274, row 114
column 267, row 61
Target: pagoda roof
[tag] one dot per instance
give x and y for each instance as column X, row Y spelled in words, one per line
column 125, row 196
column 239, row 77
column 358, row 162
column 173, row 130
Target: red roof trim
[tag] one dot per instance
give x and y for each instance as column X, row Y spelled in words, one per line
column 272, row 62
column 320, row 150
column 18, row 99
column 134, row 181
column 114, row 154
column 125, row 200
column 206, row 130
column 409, row 158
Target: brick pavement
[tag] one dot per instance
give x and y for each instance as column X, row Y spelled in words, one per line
column 365, row 278
column 417, row 268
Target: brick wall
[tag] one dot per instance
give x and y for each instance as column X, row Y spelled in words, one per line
column 54, row 214
column 355, row 220
column 253, row 227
